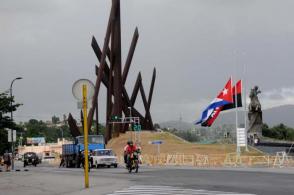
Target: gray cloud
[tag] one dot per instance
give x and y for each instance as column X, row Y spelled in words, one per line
column 278, row 97
column 195, row 46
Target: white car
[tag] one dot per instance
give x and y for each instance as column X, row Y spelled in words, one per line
column 104, row 157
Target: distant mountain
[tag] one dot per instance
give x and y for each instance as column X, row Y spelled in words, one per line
column 181, row 125
column 281, row 114
column 273, row 116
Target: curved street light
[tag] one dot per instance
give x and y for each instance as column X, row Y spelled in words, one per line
column 12, row 141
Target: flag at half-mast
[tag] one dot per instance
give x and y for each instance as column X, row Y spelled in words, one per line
column 224, row 97
column 237, row 89
column 237, row 92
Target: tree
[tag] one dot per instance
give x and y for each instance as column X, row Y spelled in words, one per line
column 55, row 119
column 280, row 131
column 156, row 126
column 37, row 128
column 93, row 130
column 5, row 119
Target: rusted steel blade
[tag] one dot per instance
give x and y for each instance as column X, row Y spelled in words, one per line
column 130, row 55
column 74, row 129
column 97, row 119
column 148, row 114
column 104, row 78
column 142, row 91
column 136, row 89
column 115, row 59
column 98, row 54
column 151, row 88
column 148, row 121
column 102, row 65
column 82, row 120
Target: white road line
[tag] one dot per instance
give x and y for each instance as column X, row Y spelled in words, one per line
column 169, row 190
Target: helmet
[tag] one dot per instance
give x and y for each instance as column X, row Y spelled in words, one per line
column 130, row 143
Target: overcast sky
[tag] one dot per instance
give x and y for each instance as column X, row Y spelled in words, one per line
column 195, row 45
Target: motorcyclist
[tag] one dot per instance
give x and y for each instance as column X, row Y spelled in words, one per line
column 128, row 150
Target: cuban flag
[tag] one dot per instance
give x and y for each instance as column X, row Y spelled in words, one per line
column 237, row 89
column 237, row 95
column 224, row 97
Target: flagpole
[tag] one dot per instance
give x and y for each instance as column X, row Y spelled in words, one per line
column 245, row 113
column 236, row 111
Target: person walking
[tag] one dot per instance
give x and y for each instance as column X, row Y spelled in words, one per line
column 62, row 162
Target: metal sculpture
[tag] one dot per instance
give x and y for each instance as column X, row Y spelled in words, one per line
column 114, row 78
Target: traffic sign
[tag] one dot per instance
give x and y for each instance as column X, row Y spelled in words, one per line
column 137, row 127
column 78, row 86
column 241, row 137
column 115, row 118
column 11, row 138
column 156, row 142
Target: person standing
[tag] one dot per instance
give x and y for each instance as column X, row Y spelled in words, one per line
column 7, row 160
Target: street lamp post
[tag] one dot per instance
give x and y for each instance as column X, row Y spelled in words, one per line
column 62, row 135
column 12, row 141
column 131, row 121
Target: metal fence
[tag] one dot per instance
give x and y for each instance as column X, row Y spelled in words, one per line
column 281, row 159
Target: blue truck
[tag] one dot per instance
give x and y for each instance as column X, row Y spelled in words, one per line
column 72, row 153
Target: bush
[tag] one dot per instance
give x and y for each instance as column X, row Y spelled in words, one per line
column 281, row 132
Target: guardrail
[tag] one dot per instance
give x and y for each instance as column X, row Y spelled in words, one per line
column 217, row 160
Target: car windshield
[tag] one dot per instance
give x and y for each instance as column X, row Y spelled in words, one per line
column 30, row 154
column 92, row 139
column 103, row 153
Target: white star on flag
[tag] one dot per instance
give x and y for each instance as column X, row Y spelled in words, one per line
column 225, row 91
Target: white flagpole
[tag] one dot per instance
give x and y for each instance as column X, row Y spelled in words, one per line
column 245, row 113
column 238, row 151
column 236, row 111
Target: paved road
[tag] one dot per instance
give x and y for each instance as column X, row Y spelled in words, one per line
column 45, row 180
column 169, row 190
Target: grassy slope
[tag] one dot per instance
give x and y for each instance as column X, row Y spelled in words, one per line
column 173, row 145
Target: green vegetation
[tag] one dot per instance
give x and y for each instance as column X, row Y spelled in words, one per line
column 100, row 127
column 55, row 119
column 35, row 128
column 217, row 134
column 5, row 119
column 281, row 132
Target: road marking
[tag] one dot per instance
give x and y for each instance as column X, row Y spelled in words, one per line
column 169, row 190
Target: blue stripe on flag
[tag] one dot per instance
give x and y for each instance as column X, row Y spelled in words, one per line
column 213, row 105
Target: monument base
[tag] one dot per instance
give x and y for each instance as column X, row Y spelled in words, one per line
column 254, row 137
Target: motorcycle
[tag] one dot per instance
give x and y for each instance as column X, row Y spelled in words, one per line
column 133, row 162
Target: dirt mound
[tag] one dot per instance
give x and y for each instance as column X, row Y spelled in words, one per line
column 172, row 145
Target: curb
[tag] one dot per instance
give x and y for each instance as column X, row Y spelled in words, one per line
column 16, row 170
